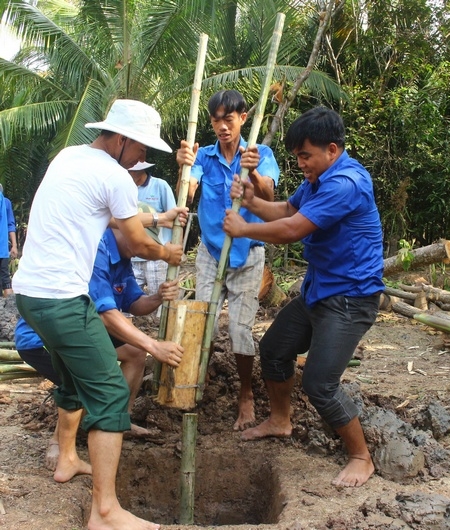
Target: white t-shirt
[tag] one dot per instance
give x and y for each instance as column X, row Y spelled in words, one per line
column 82, row 188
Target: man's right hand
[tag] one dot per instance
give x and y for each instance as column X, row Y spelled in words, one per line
column 244, row 189
column 174, row 254
column 186, row 155
column 167, row 352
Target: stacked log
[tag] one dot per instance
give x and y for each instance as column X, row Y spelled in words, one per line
column 423, row 302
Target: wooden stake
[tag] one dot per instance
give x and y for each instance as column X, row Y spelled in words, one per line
column 187, row 476
column 177, row 336
column 177, row 231
column 223, row 262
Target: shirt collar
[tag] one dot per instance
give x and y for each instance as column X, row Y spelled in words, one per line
column 332, row 169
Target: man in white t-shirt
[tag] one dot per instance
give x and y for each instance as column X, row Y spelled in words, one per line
column 158, row 195
column 83, row 188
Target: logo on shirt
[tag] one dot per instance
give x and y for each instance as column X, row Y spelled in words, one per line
column 119, row 287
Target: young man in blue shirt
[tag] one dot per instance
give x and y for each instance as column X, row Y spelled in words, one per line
column 333, row 213
column 214, row 167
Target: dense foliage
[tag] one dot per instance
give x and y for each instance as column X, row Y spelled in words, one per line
column 383, row 65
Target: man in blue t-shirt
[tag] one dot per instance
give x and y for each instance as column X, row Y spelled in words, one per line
column 114, row 291
column 158, row 196
column 333, row 213
column 213, row 169
column 8, row 242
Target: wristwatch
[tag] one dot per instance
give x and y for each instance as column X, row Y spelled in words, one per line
column 155, row 220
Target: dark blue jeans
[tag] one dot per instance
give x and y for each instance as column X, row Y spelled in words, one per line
column 329, row 332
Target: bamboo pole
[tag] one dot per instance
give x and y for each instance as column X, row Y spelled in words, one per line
column 187, row 478
column 433, row 321
column 223, row 262
column 8, row 344
column 177, row 231
column 10, row 355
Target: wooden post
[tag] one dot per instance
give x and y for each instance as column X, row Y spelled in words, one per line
column 223, row 262
column 187, row 476
column 177, row 232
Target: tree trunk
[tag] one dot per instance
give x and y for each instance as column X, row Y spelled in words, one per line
column 435, row 253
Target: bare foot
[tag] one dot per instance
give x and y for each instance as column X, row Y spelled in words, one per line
column 51, row 457
column 119, row 519
column 246, row 414
column 356, row 473
column 267, row 428
column 137, row 430
column 69, row 468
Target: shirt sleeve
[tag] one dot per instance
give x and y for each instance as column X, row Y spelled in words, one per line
column 100, row 286
column 268, row 166
column 335, row 199
column 132, row 290
column 10, row 216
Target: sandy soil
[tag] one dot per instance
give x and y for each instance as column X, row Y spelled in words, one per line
column 280, row 484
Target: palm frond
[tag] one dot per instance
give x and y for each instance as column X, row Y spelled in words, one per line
column 91, row 107
column 34, row 119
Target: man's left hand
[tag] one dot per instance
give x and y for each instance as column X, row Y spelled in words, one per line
column 249, row 158
column 233, row 224
column 166, row 219
column 169, row 290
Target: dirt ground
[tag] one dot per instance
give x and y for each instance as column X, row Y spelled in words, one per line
column 272, row 483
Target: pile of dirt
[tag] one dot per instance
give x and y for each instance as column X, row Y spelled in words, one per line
column 402, row 389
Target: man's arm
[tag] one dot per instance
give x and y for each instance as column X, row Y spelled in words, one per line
column 282, row 230
column 165, row 219
column 263, row 185
column 122, row 329
column 13, row 252
column 148, row 303
column 144, row 246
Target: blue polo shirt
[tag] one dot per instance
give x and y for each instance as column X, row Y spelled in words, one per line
column 4, row 235
column 345, row 254
column 25, row 337
column 216, row 176
column 112, row 285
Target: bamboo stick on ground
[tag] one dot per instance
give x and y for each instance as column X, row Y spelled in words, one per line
column 177, row 231
column 433, row 321
column 223, row 262
column 8, row 344
column 9, row 355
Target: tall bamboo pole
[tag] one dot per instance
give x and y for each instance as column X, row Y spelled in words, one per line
column 223, row 262
column 177, row 232
column 187, row 478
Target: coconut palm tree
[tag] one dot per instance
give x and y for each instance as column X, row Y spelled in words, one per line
column 76, row 59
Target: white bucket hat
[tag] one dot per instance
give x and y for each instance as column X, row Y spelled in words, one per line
column 136, row 121
column 140, row 166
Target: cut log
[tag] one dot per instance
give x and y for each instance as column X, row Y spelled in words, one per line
column 400, row 294
column 406, row 309
column 434, row 294
column 435, row 253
